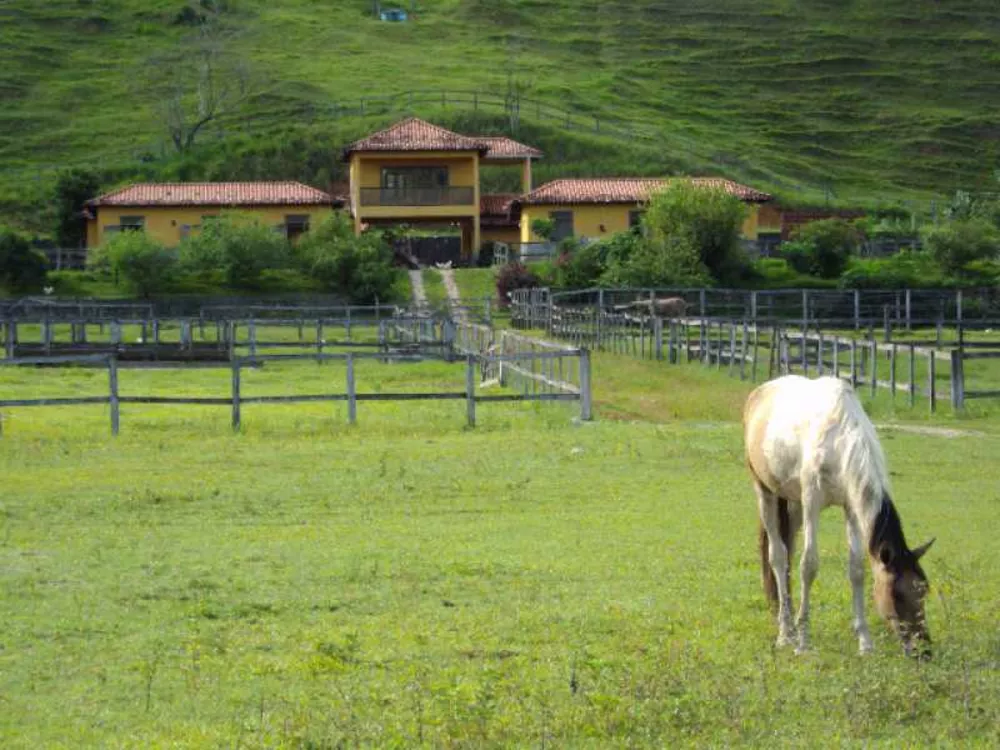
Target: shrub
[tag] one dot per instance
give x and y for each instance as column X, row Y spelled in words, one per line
column 358, row 267
column 73, row 188
column 822, row 248
column 957, row 243
column 544, row 228
column 239, row 245
column 579, row 265
column 906, row 269
column 139, row 260
column 21, row 267
column 685, row 217
column 515, row 276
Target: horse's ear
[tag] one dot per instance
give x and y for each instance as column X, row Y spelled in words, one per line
column 919, row 551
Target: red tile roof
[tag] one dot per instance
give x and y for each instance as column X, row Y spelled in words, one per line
column 627, row 190
column 495, row 210
column 414, row 134
column 215, row 194
column 502, row 147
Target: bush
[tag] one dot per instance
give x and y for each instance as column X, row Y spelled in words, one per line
column 544, row 228
column 822, row 248
column 21, row 267
column 239, row 245
column 907, row 269
column 515, row 276
column 958, row 243
column 358, row 267
column 578, row 265
column 136, row 258
column 685, row 218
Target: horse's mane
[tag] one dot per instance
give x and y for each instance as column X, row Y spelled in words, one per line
column 887, row 531
column 863, row 466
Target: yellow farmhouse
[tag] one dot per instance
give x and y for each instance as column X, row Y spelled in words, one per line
column 425, row 176
column 595, row 208
column 171, row 211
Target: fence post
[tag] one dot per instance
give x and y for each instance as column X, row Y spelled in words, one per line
column 854, row 363
column 931, row 390
column 873, row 375
column 819, row 354
column 470, row 389
column 11, row 337
column 348, row 324
column 957, row 379
column 236, row 393
column 805, row 313
column 113, row 389
column 886, row 325
column 732, row 348
column 892, row 370
column 585, row 409
column 743, row 352
column 658, row 338
column 958, row 308
column 836, row 357
column 753, row 306
column 909, row 311
column 857, row 309
column 701, row 303
column 352, row 401
column 252, row 330
column 913, row 374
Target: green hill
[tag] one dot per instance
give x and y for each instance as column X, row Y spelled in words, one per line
column 850, row 99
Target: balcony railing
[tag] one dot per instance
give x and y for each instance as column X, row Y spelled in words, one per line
column 439, row 196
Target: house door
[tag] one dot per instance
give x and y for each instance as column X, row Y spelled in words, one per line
column 563, row 221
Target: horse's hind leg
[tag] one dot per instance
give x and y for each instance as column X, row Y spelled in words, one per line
column 767, row 504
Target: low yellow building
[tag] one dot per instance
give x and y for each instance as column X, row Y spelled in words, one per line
column 169, row 212
column 596, row 208
column 421, row 175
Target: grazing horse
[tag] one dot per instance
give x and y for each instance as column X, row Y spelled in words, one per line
column 809, row 444
column 664, row 307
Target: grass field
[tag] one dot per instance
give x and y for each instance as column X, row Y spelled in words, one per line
column 408, row 582
column 799, row 99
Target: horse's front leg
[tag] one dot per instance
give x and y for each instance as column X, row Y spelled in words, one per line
column 809, row 565
column 856, row 574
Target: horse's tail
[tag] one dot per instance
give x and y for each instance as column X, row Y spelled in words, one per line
column 766, row 573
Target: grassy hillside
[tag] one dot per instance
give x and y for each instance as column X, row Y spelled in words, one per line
column 858, row 100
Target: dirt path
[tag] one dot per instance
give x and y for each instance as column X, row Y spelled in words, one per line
column 451, row 289
column 944, row 432
column 419, row 295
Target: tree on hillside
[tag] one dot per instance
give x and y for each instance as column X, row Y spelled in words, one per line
column 822, row 248
column 21, row 267
column 73, row 188
column 199, row 82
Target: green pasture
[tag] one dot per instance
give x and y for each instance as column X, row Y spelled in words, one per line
column 408, row 582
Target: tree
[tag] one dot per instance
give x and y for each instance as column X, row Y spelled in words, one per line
column 544, row 228
column 239, row 245
column 73, row 189
column 199, row 82
column 21, row 267
column 960, row 242
column 822, row 248
column 683, row 218
column 142, row 262
column 358, row 267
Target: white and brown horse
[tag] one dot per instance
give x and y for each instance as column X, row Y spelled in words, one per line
column 809, row 444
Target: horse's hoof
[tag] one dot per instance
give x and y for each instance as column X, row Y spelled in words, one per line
column 865, row 648
column 784, row 641
column 803, row 649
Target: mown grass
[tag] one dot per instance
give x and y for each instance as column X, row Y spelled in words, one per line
column 409, row 582
column 476, row 283
column 801, row 99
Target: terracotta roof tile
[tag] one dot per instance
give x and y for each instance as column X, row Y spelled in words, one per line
column 414, row 134
column 626, row 190
column 215, row 194
column 502, row 147
column 495, row 210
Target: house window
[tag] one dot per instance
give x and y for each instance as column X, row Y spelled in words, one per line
column 563, row 221
column 296, row 225
column 132, row 223
column 405, row 178
column 634, row 219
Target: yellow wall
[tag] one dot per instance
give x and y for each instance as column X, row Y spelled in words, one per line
column 366, row 169
column 588, row 218
column 768, row 218
column 501, row 234
column 164, row 223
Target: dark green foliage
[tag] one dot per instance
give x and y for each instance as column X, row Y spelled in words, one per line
column 957, row 243
column 579, row 265
column 907, row 269
column 22, row 268
column 543, row 228
column 239, row 245
column 143, row 263
column 358, row 267
column 73, row 188
column 515, row 276
column 822, row 248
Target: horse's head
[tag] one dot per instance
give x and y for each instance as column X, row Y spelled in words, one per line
column 900, row 589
